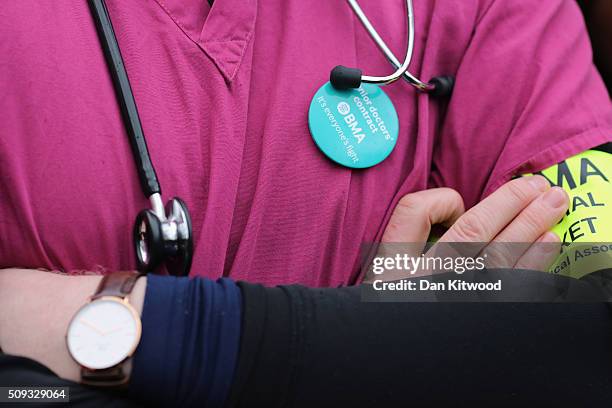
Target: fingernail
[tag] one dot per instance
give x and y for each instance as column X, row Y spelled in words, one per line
column 556, row 197
column 538, row 182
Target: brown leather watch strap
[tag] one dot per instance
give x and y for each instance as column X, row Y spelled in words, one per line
column 119, row 284
column 109, row 377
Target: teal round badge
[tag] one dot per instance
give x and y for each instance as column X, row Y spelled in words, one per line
column 356, row 128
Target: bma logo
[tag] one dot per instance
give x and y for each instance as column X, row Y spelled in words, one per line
column 344, row 108
column 351, row 121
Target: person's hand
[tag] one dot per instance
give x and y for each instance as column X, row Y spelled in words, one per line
column 416, row 213
column 521, row 211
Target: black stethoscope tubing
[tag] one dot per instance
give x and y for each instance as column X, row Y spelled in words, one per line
column 125, row 97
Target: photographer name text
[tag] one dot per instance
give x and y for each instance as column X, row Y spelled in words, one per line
column 451, row 285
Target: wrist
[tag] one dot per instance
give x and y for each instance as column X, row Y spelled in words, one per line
column 35, row 309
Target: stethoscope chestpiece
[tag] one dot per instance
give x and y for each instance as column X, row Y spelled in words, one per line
column 164, row 236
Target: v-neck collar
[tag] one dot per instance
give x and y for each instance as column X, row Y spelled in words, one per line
column 222, row 31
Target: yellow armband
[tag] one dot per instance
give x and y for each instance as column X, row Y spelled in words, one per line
column 586, row 229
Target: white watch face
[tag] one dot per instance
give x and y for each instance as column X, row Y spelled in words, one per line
column 103, row 333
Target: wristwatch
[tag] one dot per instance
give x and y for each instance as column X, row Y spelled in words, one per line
column 104, row 333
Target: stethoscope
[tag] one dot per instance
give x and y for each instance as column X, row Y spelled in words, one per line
column 163, row 235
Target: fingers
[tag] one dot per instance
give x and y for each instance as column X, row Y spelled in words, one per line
column 415, row 213
column 411, row 222
column 541, row 255
column 539, row 216
column 485, row 220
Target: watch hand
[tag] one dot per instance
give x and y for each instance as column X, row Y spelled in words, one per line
column 92, row 326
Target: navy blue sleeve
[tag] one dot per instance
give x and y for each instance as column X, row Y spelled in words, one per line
column 190, row 338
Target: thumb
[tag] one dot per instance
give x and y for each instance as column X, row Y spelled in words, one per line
column 411, row 221
column 415, row 213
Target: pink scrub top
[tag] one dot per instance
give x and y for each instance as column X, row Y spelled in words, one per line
column 223, row 95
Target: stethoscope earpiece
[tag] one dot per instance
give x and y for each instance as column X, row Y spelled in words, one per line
column 443, row 85
column 346, row 78
column 342, row 77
